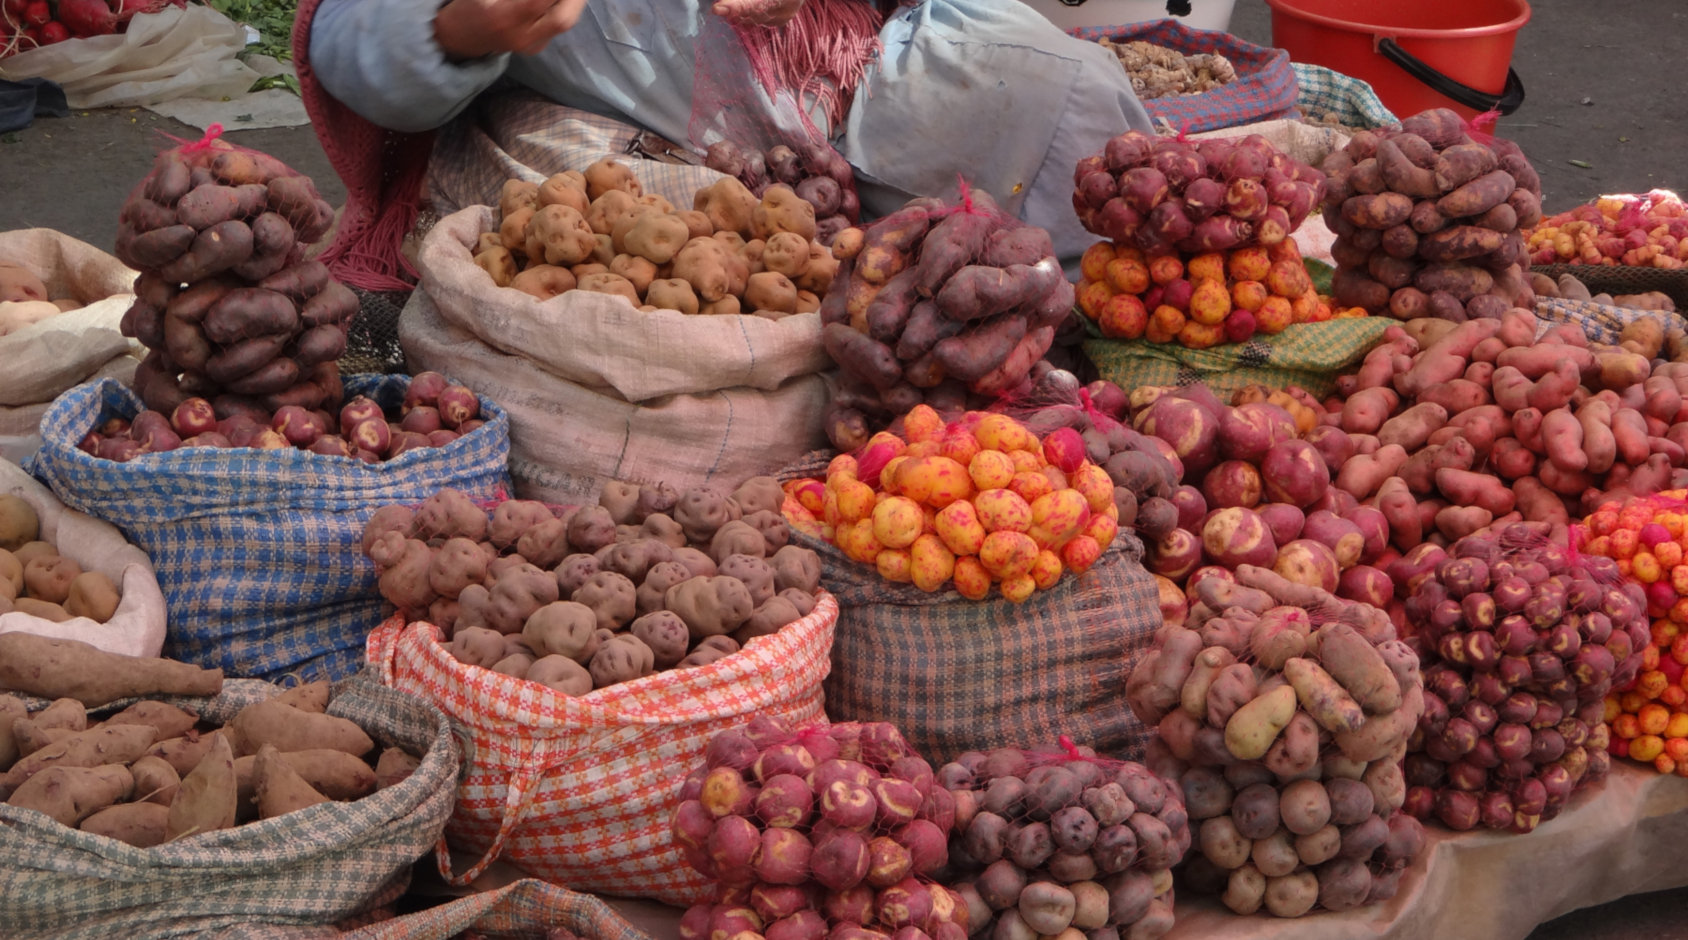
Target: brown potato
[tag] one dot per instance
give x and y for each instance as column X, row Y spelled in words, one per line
column 91, row 595
column 19, row 524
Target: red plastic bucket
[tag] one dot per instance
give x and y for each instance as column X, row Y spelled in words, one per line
column 1417, row 54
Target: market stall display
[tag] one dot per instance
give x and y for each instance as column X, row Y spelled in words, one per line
column 1620, row 230
column 1428, row 219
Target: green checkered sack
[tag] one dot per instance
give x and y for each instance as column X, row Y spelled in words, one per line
column 1600, row 323
column 1310, row 355
column 313, row 867
column 1331, row 95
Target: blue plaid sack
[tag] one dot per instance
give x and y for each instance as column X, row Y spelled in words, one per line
column 1265, row 88
column 259, row 551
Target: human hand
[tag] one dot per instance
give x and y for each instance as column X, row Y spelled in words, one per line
column 757, row 12
column 470, row 29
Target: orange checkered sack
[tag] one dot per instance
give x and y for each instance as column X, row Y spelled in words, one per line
column 579, row 790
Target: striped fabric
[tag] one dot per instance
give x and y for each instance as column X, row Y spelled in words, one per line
column 258, row 551
column 579, row 790
column 316, row 866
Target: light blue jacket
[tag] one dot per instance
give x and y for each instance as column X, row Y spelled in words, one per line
column 986, row 89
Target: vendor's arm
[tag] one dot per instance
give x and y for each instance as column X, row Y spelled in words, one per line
column 404, row 70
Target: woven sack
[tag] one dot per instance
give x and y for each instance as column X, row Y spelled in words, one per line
column 1601, row 323
column 137, row 628
column 598, row 391
column 579, row 789
column 318, row 865
column 1326, row 95
column 957, row 675
column 259, row 551
column 1310, row 355
column 1624, row 279
column 1263, row 89
column 55, row 354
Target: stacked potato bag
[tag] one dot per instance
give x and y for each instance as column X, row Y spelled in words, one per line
column 832, row 831
column 1285, row 720
column 1428, row 219
column 226, row 304
column 1055, row 841
column 1521, row 642
column 1215, row 194
column 936, row 303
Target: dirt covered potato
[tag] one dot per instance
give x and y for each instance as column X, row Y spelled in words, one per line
column 711, row 606
column 622, row 658
column 611, row 597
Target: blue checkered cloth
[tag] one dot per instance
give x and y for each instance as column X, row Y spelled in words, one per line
column 259, row 551
column 1265, row 88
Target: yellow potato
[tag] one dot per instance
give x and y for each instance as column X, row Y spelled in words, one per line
column 855, row 500
column 971, row 579
column 997, row 432
column 897, row 521
column 931, row 562
column 1095, row 485
column 895, row 565
column 959, row 526
column 1058, row 517
column 1047, row 570
column 991, row 470
column 1003, row 511
column 1253, row 727
column 1007, row 554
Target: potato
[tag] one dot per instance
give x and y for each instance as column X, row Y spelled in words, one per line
column 167, row 720
column 621, row 658
column 206, row 799
column 19, row 524
column 293, row 729
column 72, row 794
column 1255, row 810
column 611, row 597
column 1222, row 844
column 141, row 825
column 48, row 578
column 710, row 606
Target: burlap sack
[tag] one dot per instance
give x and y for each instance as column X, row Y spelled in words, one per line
column 61, row 352
column 316, row 866
column 598, row 391
column 137, row 629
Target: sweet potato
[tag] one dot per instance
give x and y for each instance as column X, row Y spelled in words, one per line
column 1459, row 280
column 979, row 291
column 278, row 789
column 206, row 799
column 141, row 825
column 292, row 729
column 973, row 354
column 55, row 668
column 72, row 794
column 1378, row 211
column 1478, row 196
column 1460, row 242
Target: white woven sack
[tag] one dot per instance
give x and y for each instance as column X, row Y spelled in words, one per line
column 598, row 391
column 137, row 629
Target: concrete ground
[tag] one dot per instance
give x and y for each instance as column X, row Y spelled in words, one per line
column 1585, row 67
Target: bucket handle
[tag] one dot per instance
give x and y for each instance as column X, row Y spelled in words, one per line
column 1506, row 102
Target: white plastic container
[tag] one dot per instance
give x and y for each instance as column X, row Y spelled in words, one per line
column 1067, row 14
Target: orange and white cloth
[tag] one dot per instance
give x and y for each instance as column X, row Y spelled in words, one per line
column 578, row 790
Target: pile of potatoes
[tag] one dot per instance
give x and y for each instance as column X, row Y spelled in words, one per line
column 1520, row 643
column 36, row 580
column 1047, row 843
column 1428, row 221
column 1451, row 428
column 935, row 303
column 819, row 175
column 226, row 304
column 1164, row 195
column 153, row 773
column 824, row 833
column 24, row 301
column 1256, row 490
column 435, row 413
column 1284, row 712
column 597, row 230
column 647, row 580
